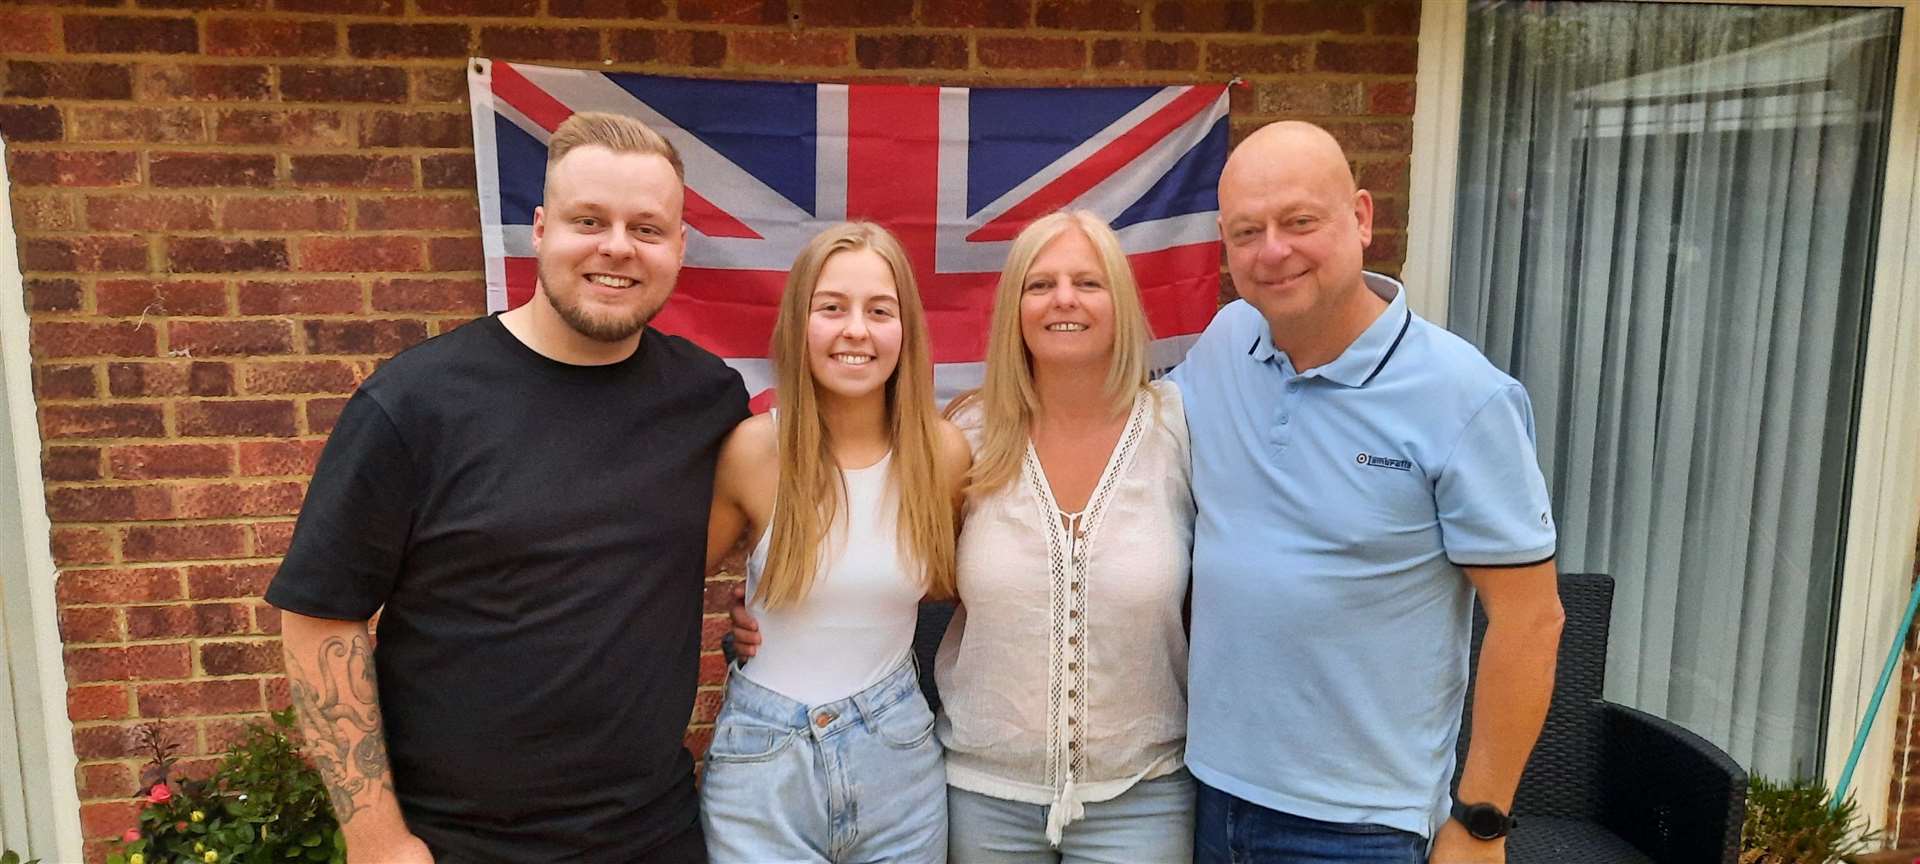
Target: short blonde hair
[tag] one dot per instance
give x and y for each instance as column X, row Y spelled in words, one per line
column 616, row 132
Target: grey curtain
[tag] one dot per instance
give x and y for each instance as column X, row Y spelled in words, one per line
column 1664, row 228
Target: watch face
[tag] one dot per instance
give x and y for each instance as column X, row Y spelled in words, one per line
column 1485, row 821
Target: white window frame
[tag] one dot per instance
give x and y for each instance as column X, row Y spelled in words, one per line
column 43, row 819
column 1884, row 511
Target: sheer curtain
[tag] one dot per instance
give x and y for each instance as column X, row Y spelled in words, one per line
column 1664, row 228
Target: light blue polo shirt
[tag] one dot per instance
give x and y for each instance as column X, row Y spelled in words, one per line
column 1331, row 619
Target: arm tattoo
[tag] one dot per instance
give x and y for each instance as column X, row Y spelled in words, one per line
column 348, row 767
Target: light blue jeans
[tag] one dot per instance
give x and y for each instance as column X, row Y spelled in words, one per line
column 1152, row 822
column 858, row 780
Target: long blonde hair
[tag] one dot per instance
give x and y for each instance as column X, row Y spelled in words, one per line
column 1006, row 397
column 808, row 471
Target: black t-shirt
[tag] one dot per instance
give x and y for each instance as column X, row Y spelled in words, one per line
column 535, row 534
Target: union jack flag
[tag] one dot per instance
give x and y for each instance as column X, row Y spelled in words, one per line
column 954, row 172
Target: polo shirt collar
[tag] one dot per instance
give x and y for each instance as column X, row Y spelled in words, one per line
column 1368, row 354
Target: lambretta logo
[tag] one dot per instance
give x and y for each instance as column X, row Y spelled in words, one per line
column 1383, row 462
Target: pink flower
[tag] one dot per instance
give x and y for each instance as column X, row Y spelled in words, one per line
column 131, row 835
column 160, row 794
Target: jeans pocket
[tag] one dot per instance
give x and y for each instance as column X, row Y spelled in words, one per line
column 746, row 742
column 905, row 724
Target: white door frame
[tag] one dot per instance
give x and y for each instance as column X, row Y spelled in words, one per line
column 1884, row 513
column 39, row 806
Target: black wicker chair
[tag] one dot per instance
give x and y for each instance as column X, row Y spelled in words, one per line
column 1606, row 784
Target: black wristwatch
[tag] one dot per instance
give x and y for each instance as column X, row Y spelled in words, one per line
column 1483, row 821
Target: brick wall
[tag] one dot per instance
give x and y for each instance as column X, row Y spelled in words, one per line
column 230, row 211
column 1903, row 799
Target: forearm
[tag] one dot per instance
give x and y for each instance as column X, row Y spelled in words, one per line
column 330, row 670
column 1514, row 685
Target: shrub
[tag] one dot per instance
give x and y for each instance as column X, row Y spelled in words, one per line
column 1793, row 823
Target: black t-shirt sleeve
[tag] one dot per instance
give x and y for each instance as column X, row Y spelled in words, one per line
column 351, row 537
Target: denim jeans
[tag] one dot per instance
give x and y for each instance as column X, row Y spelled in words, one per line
column 1228, row 830
column 1151, row 822
column 857, row 780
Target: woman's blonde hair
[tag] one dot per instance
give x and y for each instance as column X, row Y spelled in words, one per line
column 1006, row 397
column 809, row 475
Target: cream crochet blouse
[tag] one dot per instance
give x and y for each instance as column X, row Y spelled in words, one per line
column 1064, row 674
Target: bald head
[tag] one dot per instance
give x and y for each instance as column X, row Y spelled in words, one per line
column 1288, row 149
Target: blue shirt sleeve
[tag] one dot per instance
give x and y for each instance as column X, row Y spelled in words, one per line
column 1490, row 495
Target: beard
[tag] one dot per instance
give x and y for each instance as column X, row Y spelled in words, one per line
column 597, row 325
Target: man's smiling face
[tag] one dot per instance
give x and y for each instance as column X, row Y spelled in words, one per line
column 609, row 240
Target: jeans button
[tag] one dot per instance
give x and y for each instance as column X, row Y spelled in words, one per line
column 823, row 719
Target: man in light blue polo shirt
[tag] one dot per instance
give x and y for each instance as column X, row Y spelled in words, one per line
column 1360, row 473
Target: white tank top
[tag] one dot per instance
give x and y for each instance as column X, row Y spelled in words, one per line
column 856, row 623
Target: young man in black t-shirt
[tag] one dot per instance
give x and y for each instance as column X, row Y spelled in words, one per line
column 524, row 500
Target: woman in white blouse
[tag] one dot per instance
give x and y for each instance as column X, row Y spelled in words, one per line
column 1064, row 671
column 1063, row 674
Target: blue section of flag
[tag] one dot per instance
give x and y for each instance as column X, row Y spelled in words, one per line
column 1014, row 133
column 767, row 128
column 523, row 171
column 1191, row 186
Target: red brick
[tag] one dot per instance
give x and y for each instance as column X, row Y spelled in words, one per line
column 300, row 128
column 90, row 624
column 1156, row 55
column 1289, row 17
column 1295, row 96
column 71, row 463
column 241, row 658
column 1204, row 16
column 35, row 213
column 323, row 413
column 279, row 458
column 124, row 34
column 1398, row 57
column 211, row 169
column 447, row 171
column 1023, row 52
column 138, row 125
column 284, row 213
column 90, row 254
column 541, row 43
column 1392, row 137
column 230, row 338
column 756, row 48
column 386, row 172
column 706, row 705
column 704, row 11
column 1266, row 57
column 196, row 5
column 272, row 538
column 257, row 37
column 132, row 663
column 23, row 123
column 24, row 80
column 1006, row 14
column 108, row 503
column 314, row 297
column 108, row 779
column 214, row 255
column 77, row 546
column 131, row 585
column 151, row 297
column 911, row 52
column 266, row 619
column 305, row 376
column 233, row 500
column 103, row 819
column 697, row 741
column 66, row 382
column 416, row 129
column 429, row 295
column 856, row 13
column 182, row 620
column 407, row 40
column 1087, row 15
column 417, row 212
column 1394, row 97
column 671, row 47
column 439, row 85
column 252, row 418
column 1396, row 18
column 70, row 168
column 79, row 339
column 279, row 694
column 102, row 421
column 28, row 32
column 451, row 254
column 224, row 581
column 54, row 295
column 479, row 8
column 160, row 461
column 183, row 542
column 110, row 742
column 343, row 7
column 202, row 83
column 198, row 698
column 381, row 337
column 149, row 213
column 344, row 83
column 361, row 254
column 1382, row 176
column 132, row 380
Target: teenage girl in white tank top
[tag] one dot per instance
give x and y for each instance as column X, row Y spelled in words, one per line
column 824, row 747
